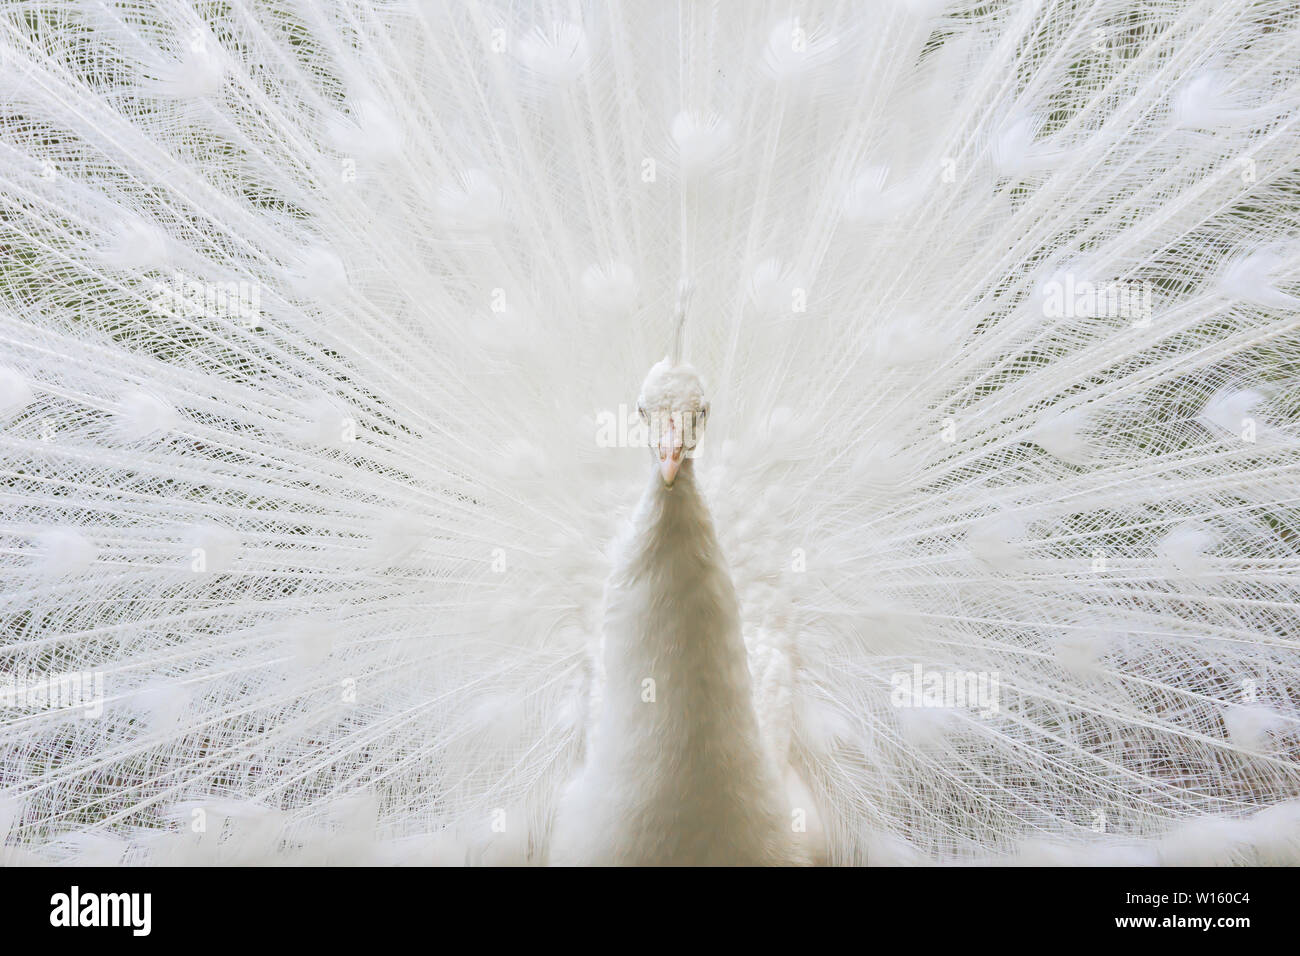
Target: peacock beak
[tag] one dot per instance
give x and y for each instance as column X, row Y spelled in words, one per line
column 670, row 452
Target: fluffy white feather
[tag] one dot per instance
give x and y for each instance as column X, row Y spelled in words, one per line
column 333, row 530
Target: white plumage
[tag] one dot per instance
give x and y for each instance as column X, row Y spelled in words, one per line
column 320, row 326
column 675, row 770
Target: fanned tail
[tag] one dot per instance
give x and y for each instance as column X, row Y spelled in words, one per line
column 319, row 329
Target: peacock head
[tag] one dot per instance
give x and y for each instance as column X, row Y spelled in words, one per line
column 674, row 409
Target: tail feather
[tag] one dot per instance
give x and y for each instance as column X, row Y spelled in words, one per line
column 319, row 329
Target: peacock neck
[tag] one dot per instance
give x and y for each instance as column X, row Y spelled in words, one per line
column 667, row 513
column 676, row 774
column 673, row 619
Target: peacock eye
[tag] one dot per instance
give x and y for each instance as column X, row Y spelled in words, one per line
column 704, row 413
column 640, row 410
